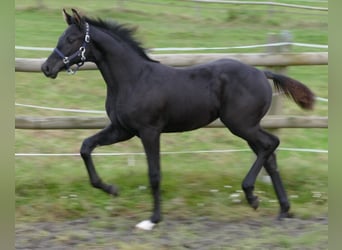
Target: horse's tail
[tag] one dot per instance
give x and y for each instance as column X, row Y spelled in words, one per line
column 300, row 93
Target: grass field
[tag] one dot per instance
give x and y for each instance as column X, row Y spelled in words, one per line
column 57, row 188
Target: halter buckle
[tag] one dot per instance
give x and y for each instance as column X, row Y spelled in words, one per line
column 87, row 38
column 66, row 60
column 83, row 50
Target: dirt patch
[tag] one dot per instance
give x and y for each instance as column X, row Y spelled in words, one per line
column 199, row 233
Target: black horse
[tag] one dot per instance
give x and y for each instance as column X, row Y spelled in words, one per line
column 146, row 98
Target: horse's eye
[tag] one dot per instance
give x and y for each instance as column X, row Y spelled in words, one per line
column 70, row 40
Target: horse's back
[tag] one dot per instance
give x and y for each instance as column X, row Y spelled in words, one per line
column 232, row 82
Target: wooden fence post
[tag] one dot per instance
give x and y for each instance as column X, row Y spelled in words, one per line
column 41, row 4
column 284, row 36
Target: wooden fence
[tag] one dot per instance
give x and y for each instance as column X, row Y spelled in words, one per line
column 179, row 60
column 74, row 122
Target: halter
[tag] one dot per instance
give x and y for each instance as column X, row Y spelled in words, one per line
column 80, row 52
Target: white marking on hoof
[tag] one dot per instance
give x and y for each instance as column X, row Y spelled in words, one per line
column 145, row 225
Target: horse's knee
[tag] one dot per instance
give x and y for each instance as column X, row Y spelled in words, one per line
column 276, row 143
column 155, row 181
column 86, row 148
column 271, row 145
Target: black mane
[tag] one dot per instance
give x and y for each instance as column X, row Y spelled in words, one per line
column 123, row 32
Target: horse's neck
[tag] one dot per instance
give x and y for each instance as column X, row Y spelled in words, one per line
column 119, row 68
column 118, row 63
column 119, row 76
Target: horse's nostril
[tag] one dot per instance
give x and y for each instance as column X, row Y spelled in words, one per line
column 45, row 68
column 48, row 71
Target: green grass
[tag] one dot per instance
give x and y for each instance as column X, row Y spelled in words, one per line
column 176, row 26
column 54, row 188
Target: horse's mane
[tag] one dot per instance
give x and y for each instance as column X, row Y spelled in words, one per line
column 123, row 32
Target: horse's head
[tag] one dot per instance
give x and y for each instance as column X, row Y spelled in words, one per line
column 72, row 47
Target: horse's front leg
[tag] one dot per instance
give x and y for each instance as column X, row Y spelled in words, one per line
column 107, row 136
column 151, row 142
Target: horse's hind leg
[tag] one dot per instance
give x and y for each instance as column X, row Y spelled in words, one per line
column 107, row 136
column 271, row 168
column 263, row 144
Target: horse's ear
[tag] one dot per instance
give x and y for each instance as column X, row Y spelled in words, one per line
column 67, row 17
column 77, row 18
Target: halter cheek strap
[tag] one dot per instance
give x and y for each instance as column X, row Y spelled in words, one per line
column 79, row 53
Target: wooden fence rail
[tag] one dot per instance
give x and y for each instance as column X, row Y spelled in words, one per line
column 73, row 122
column 179, row 60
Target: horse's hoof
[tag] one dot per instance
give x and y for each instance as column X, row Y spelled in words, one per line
column 254, row 202
column 113, row 190
column 145, row 225
column 285, row 215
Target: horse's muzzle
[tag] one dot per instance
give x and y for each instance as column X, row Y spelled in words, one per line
column 48, row 71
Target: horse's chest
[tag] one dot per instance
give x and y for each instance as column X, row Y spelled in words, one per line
column 122, row 113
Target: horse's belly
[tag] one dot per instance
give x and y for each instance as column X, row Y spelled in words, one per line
column 189, row 121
